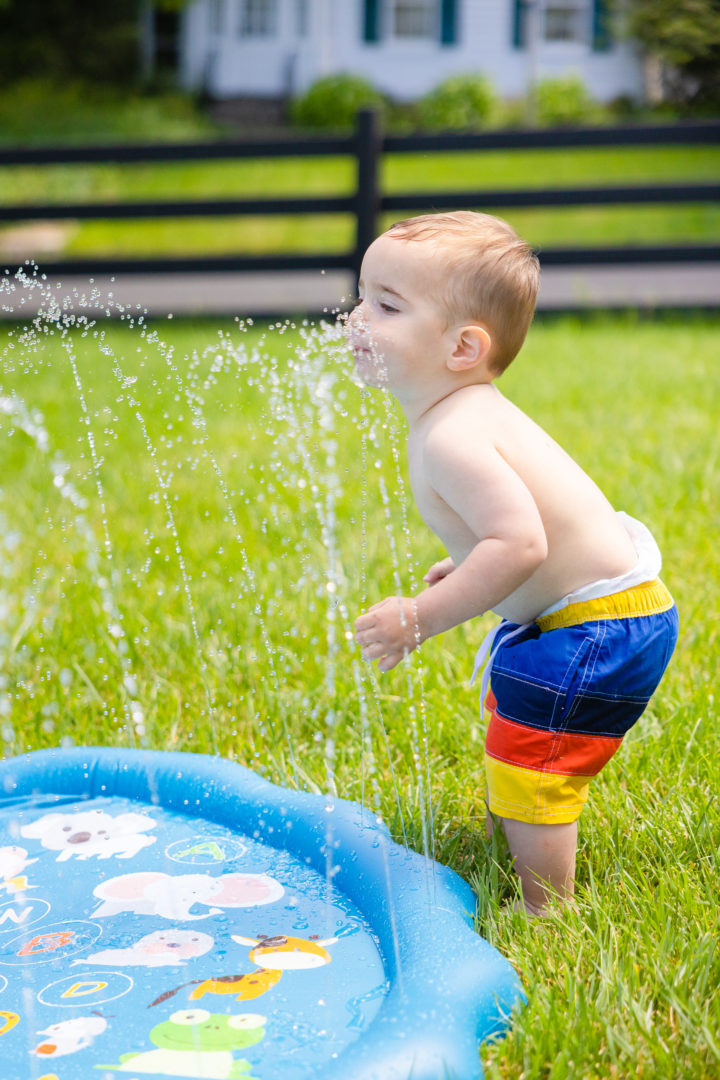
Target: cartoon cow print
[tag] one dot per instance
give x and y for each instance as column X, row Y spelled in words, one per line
column 92, row 832
column 287, row 953
column 272, row 956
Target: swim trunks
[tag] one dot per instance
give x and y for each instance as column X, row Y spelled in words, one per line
column 563, row 692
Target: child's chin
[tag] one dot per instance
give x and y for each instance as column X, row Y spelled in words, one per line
column 370, row 376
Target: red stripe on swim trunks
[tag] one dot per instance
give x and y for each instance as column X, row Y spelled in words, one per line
column 545, row 751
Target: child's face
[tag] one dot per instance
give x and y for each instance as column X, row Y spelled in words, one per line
column 398, row 333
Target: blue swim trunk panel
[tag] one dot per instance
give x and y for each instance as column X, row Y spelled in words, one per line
column 594, row 678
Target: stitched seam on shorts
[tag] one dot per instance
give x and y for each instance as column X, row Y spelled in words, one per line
column 560, row 731
column 511, row 675
column 586, row 679
column 598, row 695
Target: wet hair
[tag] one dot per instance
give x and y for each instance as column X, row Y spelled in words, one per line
column 487, row 274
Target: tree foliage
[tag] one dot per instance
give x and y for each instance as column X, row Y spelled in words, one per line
column 684, row 35
column 69, row 39
column 678, row 31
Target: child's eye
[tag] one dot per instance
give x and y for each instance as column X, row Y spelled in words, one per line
column 389, row 309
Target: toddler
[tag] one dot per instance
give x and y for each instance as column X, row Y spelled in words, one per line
column 588, row 629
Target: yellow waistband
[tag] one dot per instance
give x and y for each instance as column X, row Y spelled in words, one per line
column 648, row 599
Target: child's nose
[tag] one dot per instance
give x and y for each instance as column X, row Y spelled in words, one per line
column 357, row 317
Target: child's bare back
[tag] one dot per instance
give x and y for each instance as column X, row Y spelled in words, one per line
column 524, row 482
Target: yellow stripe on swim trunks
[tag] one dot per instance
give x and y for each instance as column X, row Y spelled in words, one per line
column 650, row 598
column 535, row 797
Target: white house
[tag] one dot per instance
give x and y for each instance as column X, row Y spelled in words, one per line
column 277, row 48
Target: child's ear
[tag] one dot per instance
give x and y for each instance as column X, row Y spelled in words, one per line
column 472, row 345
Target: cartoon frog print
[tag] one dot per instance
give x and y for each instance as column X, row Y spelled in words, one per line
column 197, row 1044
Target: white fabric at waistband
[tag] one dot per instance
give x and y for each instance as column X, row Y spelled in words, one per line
column 648, row 567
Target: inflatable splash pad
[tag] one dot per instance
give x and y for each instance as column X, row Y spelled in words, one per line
column 172, row 914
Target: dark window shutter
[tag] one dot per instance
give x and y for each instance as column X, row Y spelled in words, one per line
column 448, row 22
column 601, row 32
column 519, row 24
column 371, row 21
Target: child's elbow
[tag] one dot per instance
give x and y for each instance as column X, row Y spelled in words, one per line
column 535, row 551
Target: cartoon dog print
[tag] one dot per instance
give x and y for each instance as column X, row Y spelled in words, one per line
column 197, row 1044
column 69, row 1036
column 162, row 947
column 154, row 893
column 13, row 860
column 92, row 832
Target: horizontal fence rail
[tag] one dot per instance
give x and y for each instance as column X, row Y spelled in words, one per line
column 505, row 197
column 367, row 145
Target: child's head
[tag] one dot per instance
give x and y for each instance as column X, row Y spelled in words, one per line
column 486, row 274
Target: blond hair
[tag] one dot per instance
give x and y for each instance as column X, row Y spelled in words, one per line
column 489, row 274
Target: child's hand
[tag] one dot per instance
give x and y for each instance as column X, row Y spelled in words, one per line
column 439, row 570
column 388, row 631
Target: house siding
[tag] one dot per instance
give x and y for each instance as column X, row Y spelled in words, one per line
column 226, row 65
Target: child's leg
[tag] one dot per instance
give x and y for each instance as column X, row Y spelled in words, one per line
column 544, row 860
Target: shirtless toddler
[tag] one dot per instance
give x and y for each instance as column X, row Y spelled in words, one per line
column 588, row 629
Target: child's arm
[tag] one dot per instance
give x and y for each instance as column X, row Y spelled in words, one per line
column 485, row 497
column 438, row 571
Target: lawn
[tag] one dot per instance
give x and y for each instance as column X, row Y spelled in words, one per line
column 333, row 176
column 190, row 519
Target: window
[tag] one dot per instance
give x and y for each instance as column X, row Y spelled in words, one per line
column 585, row 22
column 413, row 18
column 565, row 21
column 258, row 18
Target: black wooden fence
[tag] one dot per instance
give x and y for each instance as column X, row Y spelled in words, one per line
column 366, row 145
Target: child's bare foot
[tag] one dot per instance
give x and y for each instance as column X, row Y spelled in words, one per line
column 524, row 907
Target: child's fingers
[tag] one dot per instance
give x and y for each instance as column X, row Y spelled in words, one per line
column 373, row 650
column 364, row 622
column 390, row 661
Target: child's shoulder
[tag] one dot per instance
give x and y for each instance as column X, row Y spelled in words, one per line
column 465, row 421
column 478, row 407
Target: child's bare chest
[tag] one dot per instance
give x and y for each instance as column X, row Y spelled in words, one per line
column 447, row 525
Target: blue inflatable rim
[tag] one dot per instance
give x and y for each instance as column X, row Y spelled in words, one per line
column 449, row 988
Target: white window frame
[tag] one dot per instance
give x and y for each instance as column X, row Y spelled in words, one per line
column 251, row 16
column 390, row 14
column 578, row 12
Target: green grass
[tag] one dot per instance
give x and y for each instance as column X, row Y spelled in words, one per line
column 38, row 110
column 309, row 176
column 146, row 594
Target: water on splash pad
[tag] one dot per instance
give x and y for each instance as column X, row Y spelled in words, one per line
column 143, row 940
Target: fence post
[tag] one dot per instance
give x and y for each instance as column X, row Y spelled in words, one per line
column 368, row 143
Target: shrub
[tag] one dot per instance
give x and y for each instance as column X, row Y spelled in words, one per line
column 333, row 101
column 564, row 101
column 460, row 103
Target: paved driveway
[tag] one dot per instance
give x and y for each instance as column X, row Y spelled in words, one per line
column 314, row 293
